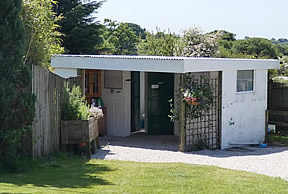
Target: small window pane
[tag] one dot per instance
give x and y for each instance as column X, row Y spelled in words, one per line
column 95, row 82
column 87, row 77
column 245, row 79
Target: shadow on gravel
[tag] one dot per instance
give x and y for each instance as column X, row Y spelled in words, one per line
column 170, row 143
column 240, row 151
column 142, row 140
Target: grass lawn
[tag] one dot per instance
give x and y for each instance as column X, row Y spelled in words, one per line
column 277, row 140
column 99, row 176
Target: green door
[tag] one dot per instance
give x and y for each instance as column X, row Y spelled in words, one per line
column 160, row 91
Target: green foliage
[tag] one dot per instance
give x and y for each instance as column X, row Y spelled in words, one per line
column 140, row 32
column 202, row 91
column 283, row 66
column 16, row 99
column 74, row 105
column 174, row 112
column 277, row 140
column 159, row 44
column 248, row 48
column 81, row 31
column 224, row 35
column 200, row 145
column 198, row 99
column 119, row 38
column 256, row 47
column 41, row 28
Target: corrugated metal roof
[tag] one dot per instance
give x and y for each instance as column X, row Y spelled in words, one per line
column 126, row 57
column 159, row 57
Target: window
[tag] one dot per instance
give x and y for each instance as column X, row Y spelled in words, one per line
column 92, row 84
column 245, row 80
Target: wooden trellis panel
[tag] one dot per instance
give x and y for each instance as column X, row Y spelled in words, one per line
column 205, row 130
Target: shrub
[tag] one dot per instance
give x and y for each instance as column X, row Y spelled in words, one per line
column 74, row 105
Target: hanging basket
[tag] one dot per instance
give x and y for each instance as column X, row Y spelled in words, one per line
column 192, row 101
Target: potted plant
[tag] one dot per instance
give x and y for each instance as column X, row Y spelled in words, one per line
column 79, row 124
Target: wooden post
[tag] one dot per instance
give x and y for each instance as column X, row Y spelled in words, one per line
column 182, row 132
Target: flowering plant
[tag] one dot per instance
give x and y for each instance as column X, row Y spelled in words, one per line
column 198, row 98
column 96, row 112
column 191, row 97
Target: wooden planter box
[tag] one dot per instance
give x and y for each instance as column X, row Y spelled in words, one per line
column 80, row 131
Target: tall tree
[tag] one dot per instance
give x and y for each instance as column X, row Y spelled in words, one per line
column 119, row 38
column 16, row 99
column 159, row 44
column 81, row 31
column 42, row 31
column 140, row 32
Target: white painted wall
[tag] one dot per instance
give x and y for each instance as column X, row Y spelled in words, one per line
column 118, row 103
column 245, row 109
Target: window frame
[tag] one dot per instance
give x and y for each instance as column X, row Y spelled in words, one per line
column 253, row 79
column 92, row 94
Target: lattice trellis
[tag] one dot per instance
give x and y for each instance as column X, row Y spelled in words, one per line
column 203, row 132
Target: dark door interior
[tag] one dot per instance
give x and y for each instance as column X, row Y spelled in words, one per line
column 160, row 91
column 135, row 101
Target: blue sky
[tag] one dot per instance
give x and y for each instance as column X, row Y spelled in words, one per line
column 254, row 18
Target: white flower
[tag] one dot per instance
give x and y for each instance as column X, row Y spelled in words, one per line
column 96, row 112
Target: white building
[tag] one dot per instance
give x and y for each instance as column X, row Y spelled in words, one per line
column 135, row 90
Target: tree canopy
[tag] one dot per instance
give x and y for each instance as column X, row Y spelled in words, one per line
column 81, row 31
column 119, row 38
column 159, row 44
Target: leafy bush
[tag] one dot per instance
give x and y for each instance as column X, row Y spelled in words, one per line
column 16, row 98
column 74, row 105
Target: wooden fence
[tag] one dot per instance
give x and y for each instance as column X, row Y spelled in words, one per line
column 48, row 88
column 278, row 106
column 278, row 96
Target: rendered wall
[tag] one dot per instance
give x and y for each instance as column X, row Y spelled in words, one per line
column 118, row 103
column 243, row 113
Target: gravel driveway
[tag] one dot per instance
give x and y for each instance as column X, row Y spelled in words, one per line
column 271, row 161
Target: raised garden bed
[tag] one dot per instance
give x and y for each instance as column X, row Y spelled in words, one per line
column 83, row 132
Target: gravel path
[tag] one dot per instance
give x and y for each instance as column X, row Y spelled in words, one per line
column 271, row 161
